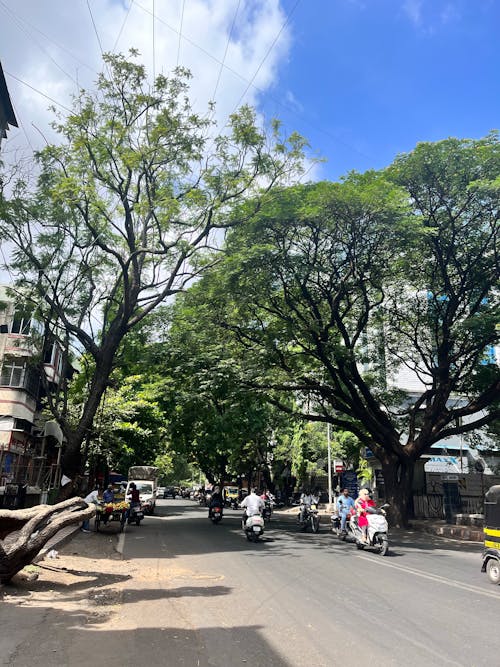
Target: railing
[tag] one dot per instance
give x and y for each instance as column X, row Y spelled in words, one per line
column 431, row 505
column 428, row 506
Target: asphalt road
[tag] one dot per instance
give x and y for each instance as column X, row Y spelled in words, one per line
column 188, row 593
column 303, row 599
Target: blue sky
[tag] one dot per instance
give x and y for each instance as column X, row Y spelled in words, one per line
column 363, row 80
column 373, row 78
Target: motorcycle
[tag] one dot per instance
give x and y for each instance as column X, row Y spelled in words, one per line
column 215, row 514
column 378, row 529
column 336, row 524
column 135, row 514
column 254, row 527
column 268, row 508
column 309, row 518
column 336, row 520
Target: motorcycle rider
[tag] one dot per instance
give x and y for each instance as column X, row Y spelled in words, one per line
column 134, row 498
column 306, row 500
column 253, row 504
column 215, row 501
column 363, row 502
column 345, row 505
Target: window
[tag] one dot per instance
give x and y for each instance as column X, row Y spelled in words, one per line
column 21, row 324
column 16, row 374
column 13, row 374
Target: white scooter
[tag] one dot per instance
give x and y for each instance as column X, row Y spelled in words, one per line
column 378, row 530
column 254, row 527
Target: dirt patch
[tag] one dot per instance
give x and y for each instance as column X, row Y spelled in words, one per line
column 87, row 573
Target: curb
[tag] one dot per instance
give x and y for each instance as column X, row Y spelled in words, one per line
column 462, row 533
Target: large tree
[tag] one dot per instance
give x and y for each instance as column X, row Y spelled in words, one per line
column 225, row 428
column 122, row 213
column 337, row 288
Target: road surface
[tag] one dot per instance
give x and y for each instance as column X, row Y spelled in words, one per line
column 182, row 591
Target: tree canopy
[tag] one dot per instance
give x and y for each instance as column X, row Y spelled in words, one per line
column 335, row 292
column 123, row 212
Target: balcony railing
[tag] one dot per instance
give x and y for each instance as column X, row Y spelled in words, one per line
column 20, row 378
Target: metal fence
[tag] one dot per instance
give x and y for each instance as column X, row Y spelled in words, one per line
column 431, row 505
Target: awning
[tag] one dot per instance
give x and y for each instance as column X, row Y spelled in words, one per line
column 53, row 429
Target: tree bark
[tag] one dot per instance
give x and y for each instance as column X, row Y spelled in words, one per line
column 398, row 480
column 23, row 533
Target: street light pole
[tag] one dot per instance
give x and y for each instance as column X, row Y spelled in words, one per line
column 328, row 438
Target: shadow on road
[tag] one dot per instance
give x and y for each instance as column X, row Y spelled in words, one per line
column 85, row 634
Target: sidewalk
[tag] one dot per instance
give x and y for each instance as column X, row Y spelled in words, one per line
column 59, row 540
column 443, row 529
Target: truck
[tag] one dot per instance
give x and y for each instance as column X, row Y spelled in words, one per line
column 145, row 479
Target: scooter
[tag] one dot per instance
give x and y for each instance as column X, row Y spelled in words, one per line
column 215, row 514
column 336, row 524
column 135, row 514
column 253, row 527
column 378, row 529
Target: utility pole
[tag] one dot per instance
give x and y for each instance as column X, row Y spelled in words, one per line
column 328, row 439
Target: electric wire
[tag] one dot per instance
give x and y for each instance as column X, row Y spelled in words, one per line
column 180, row 33
column 222, row 65
column 123, row 26
column 277, row 101
column 154, row 48
column 48, row 38
column 36, row 90
column 18, row 21
column 95, row 27
column 271, row 47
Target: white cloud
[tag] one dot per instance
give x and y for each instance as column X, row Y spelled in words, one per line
column 52, row 46
column 413, row 10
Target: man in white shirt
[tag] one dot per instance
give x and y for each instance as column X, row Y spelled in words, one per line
column 306, row 500
column 91, row 498
column 253, row 504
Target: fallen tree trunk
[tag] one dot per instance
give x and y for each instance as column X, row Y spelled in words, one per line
column 23, row 533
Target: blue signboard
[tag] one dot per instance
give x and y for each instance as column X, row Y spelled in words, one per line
column 350, row 481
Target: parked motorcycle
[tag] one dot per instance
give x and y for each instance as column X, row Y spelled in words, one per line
column 309, row 518
column 378, row 530
column 254, row 527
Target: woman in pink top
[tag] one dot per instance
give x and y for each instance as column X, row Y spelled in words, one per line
column 363, row 501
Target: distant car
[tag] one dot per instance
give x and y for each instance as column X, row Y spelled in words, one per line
column 160, row 492
column 170, row 492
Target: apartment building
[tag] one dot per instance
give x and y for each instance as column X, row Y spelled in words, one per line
column 30, row 446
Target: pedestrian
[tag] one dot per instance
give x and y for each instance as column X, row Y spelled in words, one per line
column 92, row 497
column 109, row 495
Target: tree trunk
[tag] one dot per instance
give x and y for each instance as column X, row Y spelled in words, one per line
column 398, row 480
column 23, row 533
column 73, row 460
